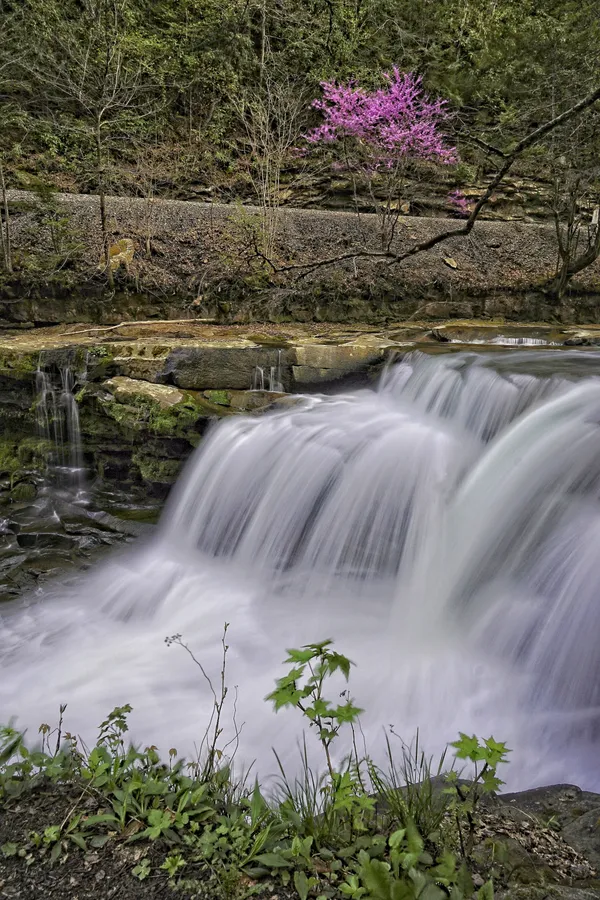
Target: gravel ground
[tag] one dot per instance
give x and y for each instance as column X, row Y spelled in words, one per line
column 188, row 236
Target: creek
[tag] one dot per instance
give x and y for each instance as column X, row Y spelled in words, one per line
column 441, row 528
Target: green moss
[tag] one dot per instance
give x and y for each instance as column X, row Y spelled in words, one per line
column 23, row 492
column 20, row 457
column 20, row 363
column 34, row 452
column 98, row 426
column 9, row 458
column 129, row 417
column 174, row 421
column 155, row 470
column 207, row 407
column 97, row 353
column 150, row 417
column 221, row 398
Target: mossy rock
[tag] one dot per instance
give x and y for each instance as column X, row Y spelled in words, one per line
column 164, row 410
column 9, row 457
column 178, row 421
column 19, row 457
column 143, row 416
column 155, row 470
column 34, row 452
column 221, row 398
column 18, row 363
column 23, row 492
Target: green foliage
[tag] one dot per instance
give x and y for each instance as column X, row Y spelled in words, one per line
column 173, row 864
column 505, row 65
column 486, row 756
column 142, row 870
column 409, row 788
column 303, row 687
column 339, row 835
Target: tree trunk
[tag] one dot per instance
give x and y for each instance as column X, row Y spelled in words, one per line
column 5, row 242
column 103, row 216
column 571, row 266
column 559, row 284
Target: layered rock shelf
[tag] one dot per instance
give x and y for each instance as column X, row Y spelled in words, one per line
column 147, row 392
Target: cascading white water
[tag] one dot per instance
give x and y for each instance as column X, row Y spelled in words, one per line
column 522, row 341
column 258, row 379
column 58, row 422
column 271, row 382
column 442, row 530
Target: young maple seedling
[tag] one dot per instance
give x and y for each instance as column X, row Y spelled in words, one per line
column 303, row 686
column 466, row 797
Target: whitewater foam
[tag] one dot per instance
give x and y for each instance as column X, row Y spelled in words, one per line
column 441, row 530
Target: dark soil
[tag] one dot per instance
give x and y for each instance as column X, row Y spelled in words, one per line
column 95, row 875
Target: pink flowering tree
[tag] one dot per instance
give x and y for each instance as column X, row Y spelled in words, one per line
column 459, row 204
column 379, row 134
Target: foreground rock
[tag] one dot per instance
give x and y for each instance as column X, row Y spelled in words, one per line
column 545, row 843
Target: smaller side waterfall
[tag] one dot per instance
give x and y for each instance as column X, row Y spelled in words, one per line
column 269, row 379
column 523, row 341
column 258, row 379
column 58, row 422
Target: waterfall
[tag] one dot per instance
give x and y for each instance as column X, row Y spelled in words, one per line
column 258, row 379
column 443, row 530
column 271, row 382
column 57, row 415
column 508, row 341
column 522, row 341
column 275, row 382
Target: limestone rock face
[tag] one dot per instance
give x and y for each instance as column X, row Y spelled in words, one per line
column 127, row 389
column 323, row 363
column 148, row 391
column 218, row 367
column 309, row 376
column 348, row 357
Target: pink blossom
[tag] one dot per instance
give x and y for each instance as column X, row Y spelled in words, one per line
column 397, row 122
column 459, row 202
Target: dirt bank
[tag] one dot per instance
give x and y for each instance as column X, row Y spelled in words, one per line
column 198, row 260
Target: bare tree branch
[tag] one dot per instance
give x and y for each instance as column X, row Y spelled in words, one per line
column 489, row 148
